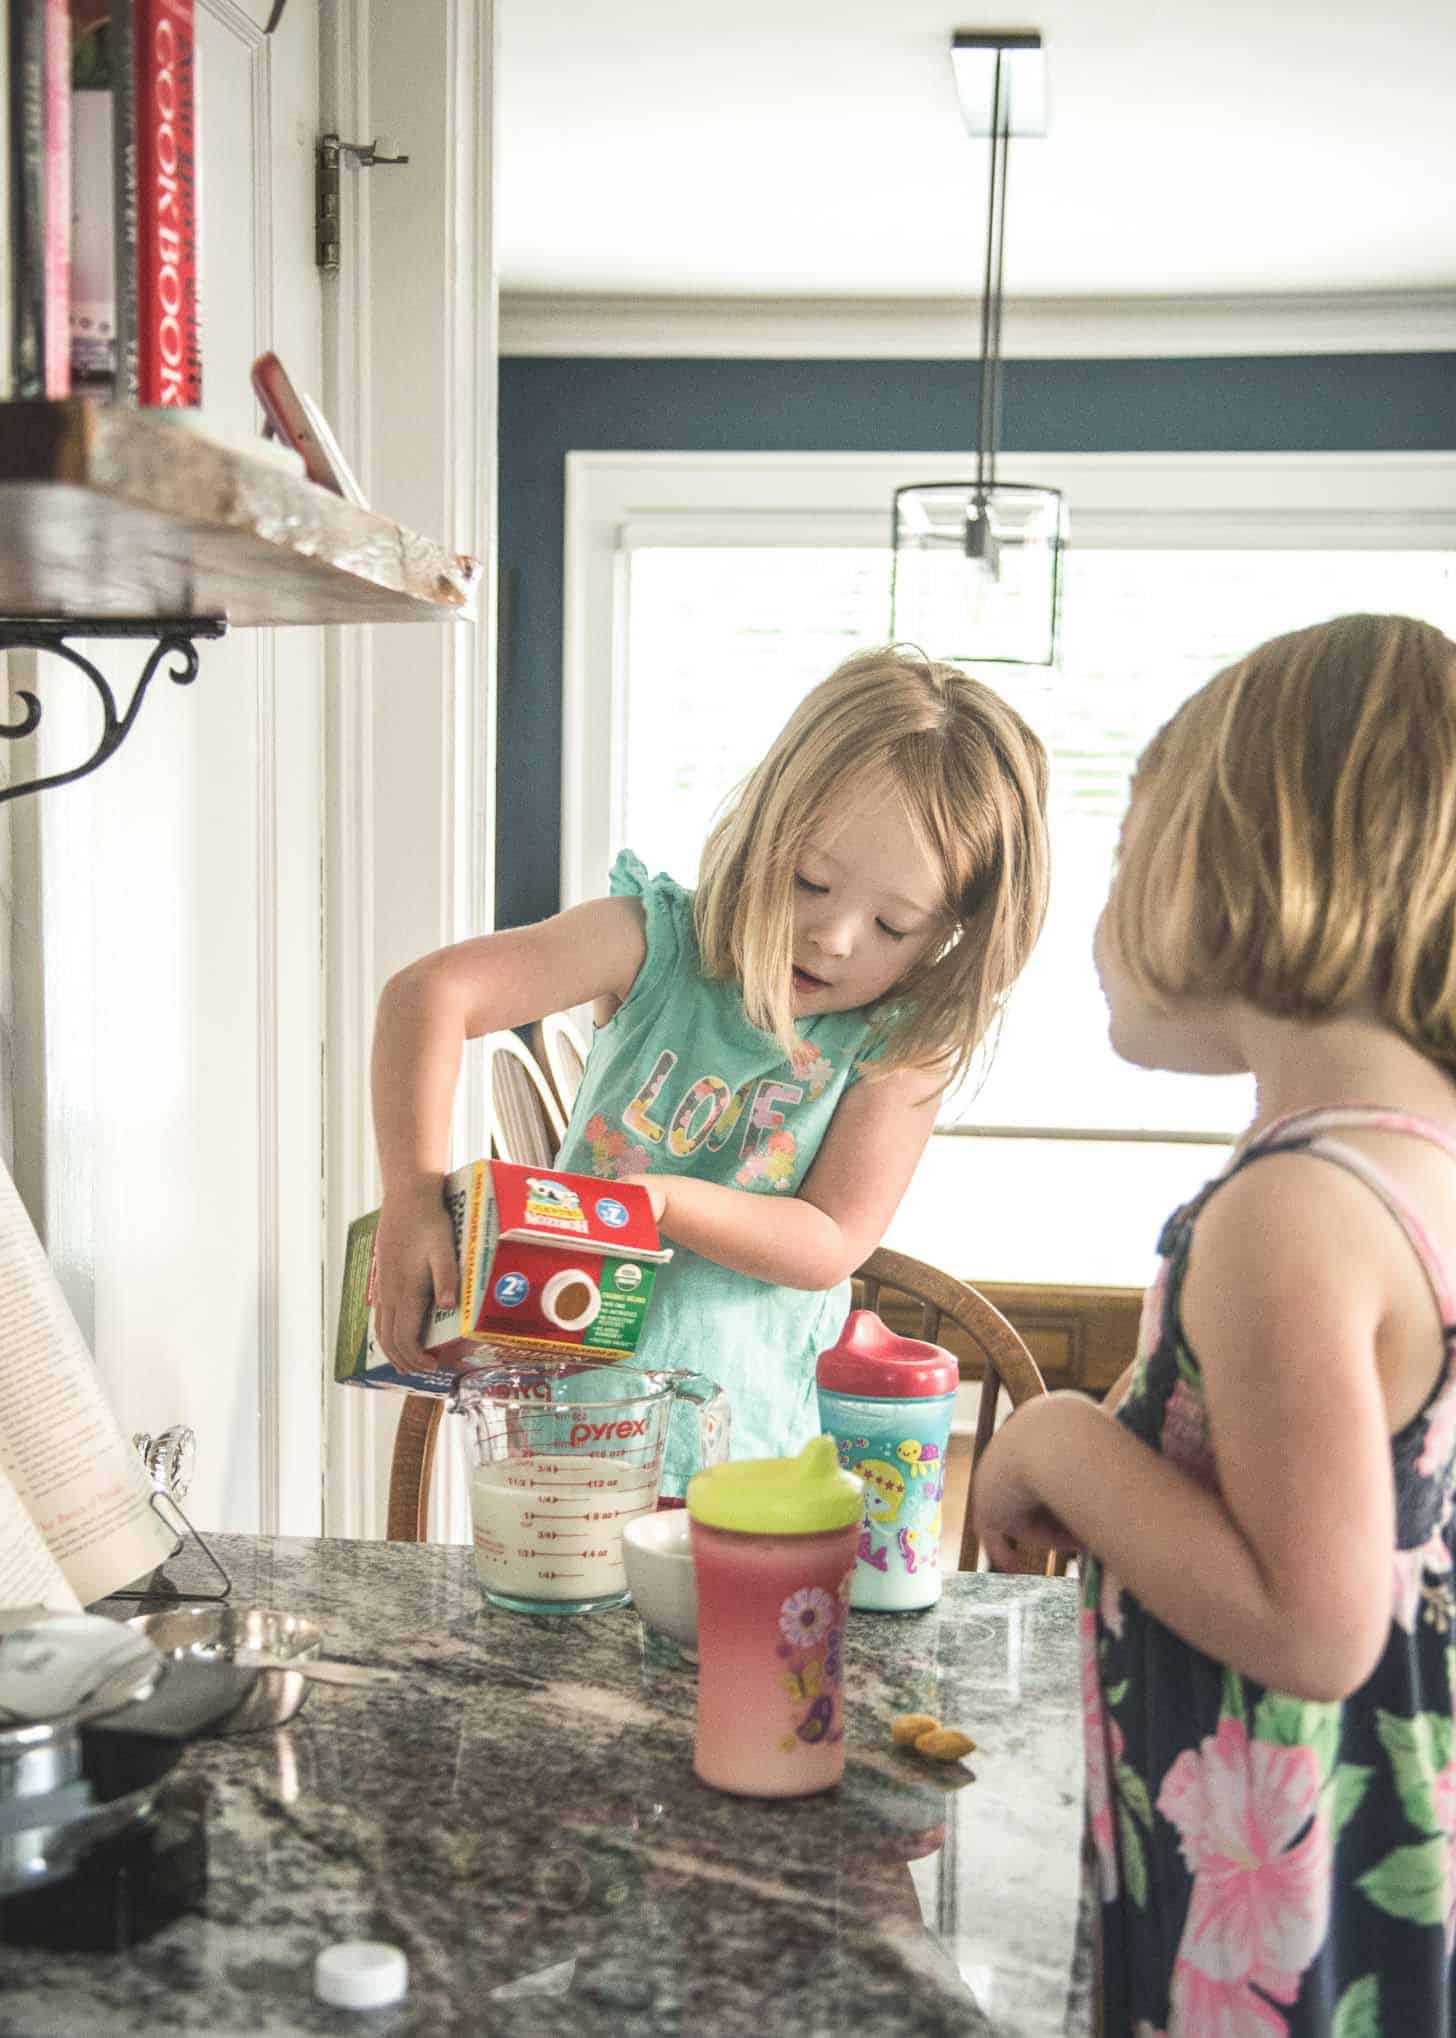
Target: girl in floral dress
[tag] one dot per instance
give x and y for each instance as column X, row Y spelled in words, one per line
column 1267, row 1505
column 771, row 1047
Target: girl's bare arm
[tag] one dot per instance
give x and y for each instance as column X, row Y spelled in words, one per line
column 1283, row 1571
column 426, row 1014
column 819, row 1236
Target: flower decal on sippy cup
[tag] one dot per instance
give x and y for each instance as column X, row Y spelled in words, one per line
column 811, row 1621
column 806, row 1615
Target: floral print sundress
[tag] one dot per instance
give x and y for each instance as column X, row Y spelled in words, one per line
column 1267, row 1864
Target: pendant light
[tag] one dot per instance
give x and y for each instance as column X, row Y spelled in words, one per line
column 976, row 572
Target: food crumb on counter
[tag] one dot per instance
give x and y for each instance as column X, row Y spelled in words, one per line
column 909, row 1726
column 923, row 1733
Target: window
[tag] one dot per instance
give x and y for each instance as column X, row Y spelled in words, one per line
column 716, row 640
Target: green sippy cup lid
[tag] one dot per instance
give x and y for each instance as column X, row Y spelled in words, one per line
column 799, row 1496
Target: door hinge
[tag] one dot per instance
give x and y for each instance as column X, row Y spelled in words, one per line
column 378, row 154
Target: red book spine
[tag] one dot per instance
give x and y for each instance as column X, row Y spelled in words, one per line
column 57, row 180
column 170, row 364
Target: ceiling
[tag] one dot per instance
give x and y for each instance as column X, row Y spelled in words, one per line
column 790, row 148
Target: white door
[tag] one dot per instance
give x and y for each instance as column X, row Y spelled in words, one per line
column 167, row 949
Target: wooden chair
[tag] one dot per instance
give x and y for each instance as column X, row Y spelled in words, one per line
column 411, row 1466
column 954, row 1314
column 562, row 1052
column 526, row 1124
column 950, row 1312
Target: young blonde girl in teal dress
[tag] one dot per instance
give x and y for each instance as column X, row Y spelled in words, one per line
column 1268, row 1507
column 772, row 1046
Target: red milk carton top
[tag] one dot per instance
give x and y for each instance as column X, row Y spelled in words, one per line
column 869, row 1359
column 547, row 1258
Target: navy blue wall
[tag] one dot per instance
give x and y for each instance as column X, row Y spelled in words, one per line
column 549, row 407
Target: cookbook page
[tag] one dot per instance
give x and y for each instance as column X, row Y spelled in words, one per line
column 29, row 1574
column 76, row 1476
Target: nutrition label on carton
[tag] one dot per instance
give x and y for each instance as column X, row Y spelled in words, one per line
column 618, row 1322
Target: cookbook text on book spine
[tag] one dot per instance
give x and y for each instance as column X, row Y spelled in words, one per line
column 169, row 362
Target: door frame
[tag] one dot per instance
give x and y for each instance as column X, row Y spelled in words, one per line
column 410, row 754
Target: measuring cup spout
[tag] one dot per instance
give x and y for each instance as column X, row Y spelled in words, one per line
column 713, row 1413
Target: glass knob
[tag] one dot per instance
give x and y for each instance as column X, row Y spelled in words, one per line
column 170, row 1458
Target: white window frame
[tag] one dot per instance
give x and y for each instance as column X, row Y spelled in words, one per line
column 616, row 501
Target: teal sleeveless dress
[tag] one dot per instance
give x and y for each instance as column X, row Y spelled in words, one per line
column 681, row 1082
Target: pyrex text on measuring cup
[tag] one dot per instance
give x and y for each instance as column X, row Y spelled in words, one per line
column 563, row 1455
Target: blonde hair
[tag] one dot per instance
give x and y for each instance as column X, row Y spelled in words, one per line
column 1291, row 838
column 973, row 778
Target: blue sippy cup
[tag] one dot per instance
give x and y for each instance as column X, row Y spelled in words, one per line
column 887, row 1402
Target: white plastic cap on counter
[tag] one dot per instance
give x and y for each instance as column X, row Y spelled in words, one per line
column 360, row 1974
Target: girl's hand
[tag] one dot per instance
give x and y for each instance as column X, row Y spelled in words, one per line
column 414, row 1269
column 1006, row 1504
column 656, row 1188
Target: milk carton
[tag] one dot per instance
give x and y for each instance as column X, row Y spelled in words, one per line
column 558, row 1262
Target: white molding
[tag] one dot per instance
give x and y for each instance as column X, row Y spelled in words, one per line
column 1360, row 501
column 352, row 1424
column 471, row 329
column 1359, row 322
column 237, row 21
column 271, row 1262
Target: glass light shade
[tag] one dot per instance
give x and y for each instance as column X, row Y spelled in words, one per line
column 978, row 571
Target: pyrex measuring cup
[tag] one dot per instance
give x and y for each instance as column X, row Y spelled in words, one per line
column 563, row 1454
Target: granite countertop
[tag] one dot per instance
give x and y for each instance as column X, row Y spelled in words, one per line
column 520, row 1814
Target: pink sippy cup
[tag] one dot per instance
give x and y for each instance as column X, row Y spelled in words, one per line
column 774, row 1542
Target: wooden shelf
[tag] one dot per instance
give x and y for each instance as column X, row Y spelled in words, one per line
column 110, row 512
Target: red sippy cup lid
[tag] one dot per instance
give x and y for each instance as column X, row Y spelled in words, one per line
column 870, row 1359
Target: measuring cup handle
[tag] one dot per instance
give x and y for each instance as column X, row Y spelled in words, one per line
column 713, row 1413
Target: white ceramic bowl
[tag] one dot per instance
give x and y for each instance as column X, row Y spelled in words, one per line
column 657, row 1551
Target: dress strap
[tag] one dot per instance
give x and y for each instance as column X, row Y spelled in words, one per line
column 1310, row 1132
column 1321, row 1118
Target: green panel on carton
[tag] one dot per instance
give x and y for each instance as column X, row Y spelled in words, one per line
column 617, row 1325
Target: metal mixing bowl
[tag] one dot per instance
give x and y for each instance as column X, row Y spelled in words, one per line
column 231, row 1634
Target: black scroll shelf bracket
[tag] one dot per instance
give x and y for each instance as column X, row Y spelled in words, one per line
column 174, row 638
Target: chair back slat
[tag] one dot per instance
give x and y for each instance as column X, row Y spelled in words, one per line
column 562, row 1053
column 526, row 1124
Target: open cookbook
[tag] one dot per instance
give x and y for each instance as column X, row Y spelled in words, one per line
column 76, row 1520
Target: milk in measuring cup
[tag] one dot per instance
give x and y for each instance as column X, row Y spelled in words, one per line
column 551, row 1527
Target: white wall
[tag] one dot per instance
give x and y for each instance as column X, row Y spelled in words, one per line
column 166, row 948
